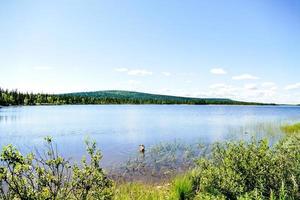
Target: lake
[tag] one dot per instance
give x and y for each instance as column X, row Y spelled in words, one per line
column 119, row 129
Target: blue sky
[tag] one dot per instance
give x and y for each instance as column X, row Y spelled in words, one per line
column 245, row 50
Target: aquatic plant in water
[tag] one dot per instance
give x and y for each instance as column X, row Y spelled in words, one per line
column 160, row 162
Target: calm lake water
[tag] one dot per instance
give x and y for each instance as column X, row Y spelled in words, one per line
column 119, row 129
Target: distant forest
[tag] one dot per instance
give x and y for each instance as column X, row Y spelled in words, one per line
column 14, row 97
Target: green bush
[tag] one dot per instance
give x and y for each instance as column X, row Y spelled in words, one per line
column 208, row 196
column 51, row 176
column 252, row 169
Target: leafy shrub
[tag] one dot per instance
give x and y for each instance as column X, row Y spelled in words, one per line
column 252, row 169
column 51, row 176
column 208, row 196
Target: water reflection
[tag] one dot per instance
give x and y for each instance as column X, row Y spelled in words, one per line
column 7, row 118
column 119, row 129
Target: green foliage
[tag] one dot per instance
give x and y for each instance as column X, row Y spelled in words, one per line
column 252, row 170
column 182, row 188
column 291, row 129
column 51, row 176
column 104, row 97
column 208, row 196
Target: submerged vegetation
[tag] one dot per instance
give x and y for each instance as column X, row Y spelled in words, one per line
column 241, row 170
column 160, row 162
column 105, row 97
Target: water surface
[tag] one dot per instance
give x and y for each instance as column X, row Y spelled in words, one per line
column 119, row 129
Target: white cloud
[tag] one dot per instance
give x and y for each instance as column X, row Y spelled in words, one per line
column 133, row 82
column 248, row 92
column 222, row 90
column 122, row 69
column 293, row 86
column 134, row 72
column 218, row 71
column 245, row 77
column 251, row 86
column 164, row 91
column 217, row 86
column 166, row 73
column 139, row 72
column 265, row 92
column 268, row 84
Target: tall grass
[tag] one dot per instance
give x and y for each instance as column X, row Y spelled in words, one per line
column 182, row 188
column 140, row 191
column 291, row 129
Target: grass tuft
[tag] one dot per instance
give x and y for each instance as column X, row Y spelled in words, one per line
column 291, row 129
column 182, row 188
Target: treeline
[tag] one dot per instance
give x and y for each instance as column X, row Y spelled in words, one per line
column 14, row 97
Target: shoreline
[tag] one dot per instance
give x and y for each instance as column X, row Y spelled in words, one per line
column 3, row 106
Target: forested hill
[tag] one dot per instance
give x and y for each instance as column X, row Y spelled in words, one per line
column 106, row 97
column 120, row 96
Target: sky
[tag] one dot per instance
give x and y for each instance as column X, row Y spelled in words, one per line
column 238, row 49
